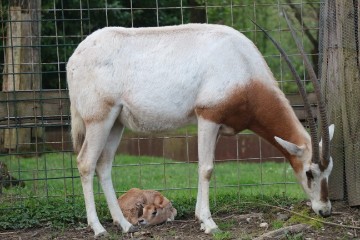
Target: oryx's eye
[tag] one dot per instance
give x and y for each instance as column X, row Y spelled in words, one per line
column 309, row 175
column 154, row 213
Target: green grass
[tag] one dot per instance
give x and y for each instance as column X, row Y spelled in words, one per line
column 277, row 224
column 57, row 175
column 53, row 179
column 189, row 130
column 223, row 236
column 306, row 212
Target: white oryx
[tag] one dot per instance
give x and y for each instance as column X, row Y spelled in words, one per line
column 155, row 79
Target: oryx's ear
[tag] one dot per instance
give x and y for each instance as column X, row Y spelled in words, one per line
column 292, row 148
column 139, row 205
column 331, row 133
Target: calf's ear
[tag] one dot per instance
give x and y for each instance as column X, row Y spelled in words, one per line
column 139, row 205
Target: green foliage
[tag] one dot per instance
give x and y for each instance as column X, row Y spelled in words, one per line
column 277, row 224
column 36, row 212
column 222, row 235
column 185, row 206
column 306, row 212
column 298, row 236
column 226, row 225
column 269, row 16
column 74, row 26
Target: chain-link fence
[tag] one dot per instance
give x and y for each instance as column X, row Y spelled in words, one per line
column 38, row 37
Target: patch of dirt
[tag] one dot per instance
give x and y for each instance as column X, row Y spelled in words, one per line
column 234, row 226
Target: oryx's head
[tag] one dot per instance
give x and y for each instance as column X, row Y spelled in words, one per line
column 315, row 159
column 314, row 174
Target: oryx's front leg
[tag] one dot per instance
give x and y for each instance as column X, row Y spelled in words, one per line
column 207, row 134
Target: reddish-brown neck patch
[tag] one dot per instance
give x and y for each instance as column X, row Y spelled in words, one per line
column 232, row 112
column 263, row 109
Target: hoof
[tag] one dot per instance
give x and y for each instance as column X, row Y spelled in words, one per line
column 132, row 229
column 101, row 235
column 209, row 229
column 212, row 230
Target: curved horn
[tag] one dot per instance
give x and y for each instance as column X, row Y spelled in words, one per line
column 310, row 118
column 324, row 123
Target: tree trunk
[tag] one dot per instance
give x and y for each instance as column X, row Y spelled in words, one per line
column 351, row 116
column 341, row 87
column 22, row 69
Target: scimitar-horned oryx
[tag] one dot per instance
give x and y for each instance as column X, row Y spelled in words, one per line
column 161, row 78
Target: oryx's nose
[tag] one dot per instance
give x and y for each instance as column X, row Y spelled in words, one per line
column 325, row 214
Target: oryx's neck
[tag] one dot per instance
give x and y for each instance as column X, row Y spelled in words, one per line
column 261, row 107
column 273, row 116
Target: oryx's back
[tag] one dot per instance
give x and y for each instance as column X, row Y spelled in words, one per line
column 160, row 75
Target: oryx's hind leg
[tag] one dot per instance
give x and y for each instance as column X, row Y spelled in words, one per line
column 207, row 135
column 103, row 170
column 97, row 132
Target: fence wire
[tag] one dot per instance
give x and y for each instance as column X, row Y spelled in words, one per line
column 34, row 114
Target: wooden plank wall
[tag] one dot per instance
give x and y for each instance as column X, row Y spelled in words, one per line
column 52, row 108
column 47, row 113
column 34, row 108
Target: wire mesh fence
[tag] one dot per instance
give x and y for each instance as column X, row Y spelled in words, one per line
column 38, row 37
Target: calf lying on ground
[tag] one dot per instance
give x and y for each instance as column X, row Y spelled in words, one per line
column 146, row 207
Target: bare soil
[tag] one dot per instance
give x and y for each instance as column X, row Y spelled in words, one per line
column 234, row 226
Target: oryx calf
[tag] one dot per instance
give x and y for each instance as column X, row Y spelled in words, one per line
column 146, row 207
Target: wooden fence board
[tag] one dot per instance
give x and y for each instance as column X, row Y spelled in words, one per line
column 34, row 108
column 52, row 107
